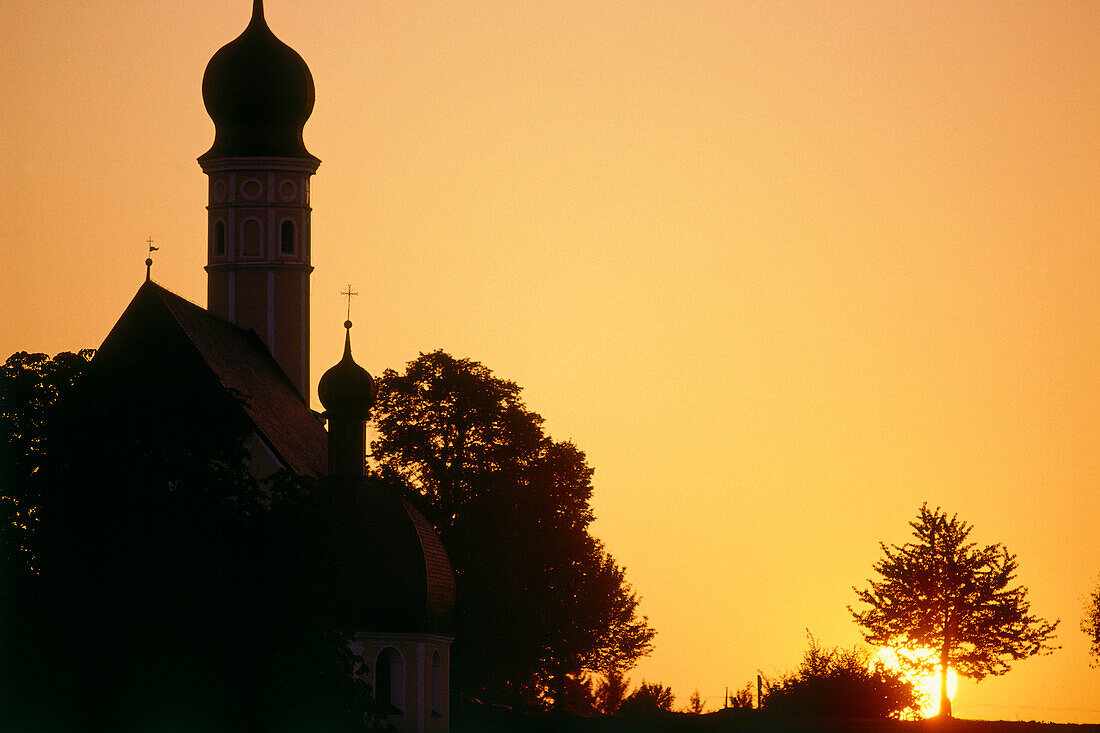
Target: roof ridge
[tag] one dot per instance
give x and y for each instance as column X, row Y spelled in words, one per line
column 249, row 333
column 235, row 357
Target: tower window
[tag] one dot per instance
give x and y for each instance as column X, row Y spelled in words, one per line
column 251, row 238
column 219, row 239
column 286, row 239
column 389, row 679
column 437, row 686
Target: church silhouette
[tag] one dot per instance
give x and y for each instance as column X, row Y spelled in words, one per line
column 173, row 374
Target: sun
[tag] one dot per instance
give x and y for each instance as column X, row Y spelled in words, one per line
column 927, row 685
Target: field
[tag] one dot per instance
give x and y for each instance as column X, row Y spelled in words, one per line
column 489, row 720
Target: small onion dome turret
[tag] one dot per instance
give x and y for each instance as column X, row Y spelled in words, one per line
column 347, row 390
column 259, row 92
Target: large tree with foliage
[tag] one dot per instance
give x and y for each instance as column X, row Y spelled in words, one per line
column 538, row 598
column 945, row 593
column 30, row 386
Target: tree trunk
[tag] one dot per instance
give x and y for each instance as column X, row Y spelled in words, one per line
column 945, row 701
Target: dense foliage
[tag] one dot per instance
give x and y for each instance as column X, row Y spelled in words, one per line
column 650, row 698
column 30, row 386
column 538, row 598
column 841, row 683
column 947, row 594
column 170, row 589
column 610, row 693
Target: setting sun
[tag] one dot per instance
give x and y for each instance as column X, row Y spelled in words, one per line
column 914, row 665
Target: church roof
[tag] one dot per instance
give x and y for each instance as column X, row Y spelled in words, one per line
column 400, row 577
column 159, row 320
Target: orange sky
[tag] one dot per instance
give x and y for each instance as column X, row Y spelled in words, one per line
column 783, row 270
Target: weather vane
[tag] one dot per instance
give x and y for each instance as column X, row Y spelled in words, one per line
column 349, row 293
column 149, row 259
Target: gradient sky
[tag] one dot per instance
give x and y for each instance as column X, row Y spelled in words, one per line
column 783, row 270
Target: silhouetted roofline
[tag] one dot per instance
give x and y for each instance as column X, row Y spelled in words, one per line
column 242, row 365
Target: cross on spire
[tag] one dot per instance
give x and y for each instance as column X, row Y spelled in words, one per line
column 149, row 259
column 349, row 293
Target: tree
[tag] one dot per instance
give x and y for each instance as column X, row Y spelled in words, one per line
column 30, row 386
column 1090, row 624
column 538, row 598
column 944, row 593
column 611, row 692
column 695, row 704
column 841, row 683
column 741, row 699
column 580, row 698
column 650, row 698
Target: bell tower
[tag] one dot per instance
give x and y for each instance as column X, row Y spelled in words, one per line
column 259, row 93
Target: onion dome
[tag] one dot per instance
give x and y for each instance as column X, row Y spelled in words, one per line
column 347, row 390
column 395, row 574
column 259, row 92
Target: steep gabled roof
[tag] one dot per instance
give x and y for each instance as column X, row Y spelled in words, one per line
column 237, row 359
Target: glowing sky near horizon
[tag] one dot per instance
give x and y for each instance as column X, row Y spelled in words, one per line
column 784, row 270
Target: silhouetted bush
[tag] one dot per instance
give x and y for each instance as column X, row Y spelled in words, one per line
column 648, row 699
column 841, row 683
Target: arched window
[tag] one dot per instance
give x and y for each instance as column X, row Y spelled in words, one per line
column 286, row 239
column 219, row 239
column 389, row 679
column 437, row 686
column 251, row 238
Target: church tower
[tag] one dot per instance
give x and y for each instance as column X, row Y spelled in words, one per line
column 259, row 93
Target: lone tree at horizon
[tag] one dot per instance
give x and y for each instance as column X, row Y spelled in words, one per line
column 954, row 597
